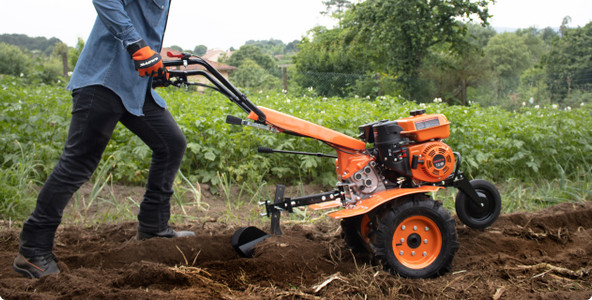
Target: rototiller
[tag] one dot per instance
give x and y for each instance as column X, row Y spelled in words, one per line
column 385, row 179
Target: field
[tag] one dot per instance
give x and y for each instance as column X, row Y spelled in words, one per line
column 536, row 255
column 539, row 157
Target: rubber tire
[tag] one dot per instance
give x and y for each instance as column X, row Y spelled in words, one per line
column 426, row 208
column 465, row 209
column 351, row 231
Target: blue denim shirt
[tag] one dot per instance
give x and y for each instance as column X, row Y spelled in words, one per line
column 105, row 60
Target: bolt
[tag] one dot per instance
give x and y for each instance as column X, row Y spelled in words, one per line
column 403, row 227
column 425, row 241
column 323, row 198
column 402, row 240
column 401, row 253
column 414, row 228
column 427, row 228
column 412, row 253
column 425, row 253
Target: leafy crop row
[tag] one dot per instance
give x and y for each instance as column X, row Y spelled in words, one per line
column 494, row 143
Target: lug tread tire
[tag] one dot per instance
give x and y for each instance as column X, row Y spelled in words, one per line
column 350, row 231
column 424, row 206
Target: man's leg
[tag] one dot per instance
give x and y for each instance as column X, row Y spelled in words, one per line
column 160, row 132
column 96, row 111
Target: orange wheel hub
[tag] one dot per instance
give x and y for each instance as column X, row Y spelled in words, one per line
column 417, row 242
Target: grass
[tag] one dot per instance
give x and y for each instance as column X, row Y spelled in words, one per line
column 183, row 186
column 99, row 203
column 18, row 194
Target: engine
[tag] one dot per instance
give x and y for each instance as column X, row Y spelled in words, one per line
column 412, row 147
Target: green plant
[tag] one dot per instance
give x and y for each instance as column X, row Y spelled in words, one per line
column 181, row 187
column 17, row 194
column 542, row 147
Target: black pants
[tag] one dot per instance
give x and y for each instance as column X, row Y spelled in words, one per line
column 96, row 111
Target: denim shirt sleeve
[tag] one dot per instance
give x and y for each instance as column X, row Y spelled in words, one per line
column 105, row 60
column 115, row 18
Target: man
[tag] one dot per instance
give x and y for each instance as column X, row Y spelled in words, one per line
column 111, row 83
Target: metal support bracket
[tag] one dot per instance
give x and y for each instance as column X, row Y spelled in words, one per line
column 280, row 204
column 275, row 211
column 462, row 183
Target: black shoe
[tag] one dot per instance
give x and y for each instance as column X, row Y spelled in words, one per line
column 167, row 233
column 36, row 266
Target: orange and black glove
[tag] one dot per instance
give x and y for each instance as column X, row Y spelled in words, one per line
column 147, row 61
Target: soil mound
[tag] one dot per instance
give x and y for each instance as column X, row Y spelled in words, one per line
column 543, row 255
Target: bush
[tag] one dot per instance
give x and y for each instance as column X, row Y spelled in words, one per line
column 13, row 61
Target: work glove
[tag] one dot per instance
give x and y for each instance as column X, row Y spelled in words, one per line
column 147, row 61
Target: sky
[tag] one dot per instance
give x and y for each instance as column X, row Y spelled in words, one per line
column 222, row 24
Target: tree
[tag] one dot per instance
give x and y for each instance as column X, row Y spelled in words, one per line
column 292, row 47
column 61, row 51
column 535, row 44
column 452, row 73
column 251, row 75
column 548, row 35
column 74, row 53
column 255, row 68
column 326, row 51
column 336, row 8
column 508, row 57
column 200, row 50
column 12, row 60
column 270, row 47
column 176, row 48
column 41, row 44
column 569, row 63
column 398, row 33
column 564, row 25
column 253, row 53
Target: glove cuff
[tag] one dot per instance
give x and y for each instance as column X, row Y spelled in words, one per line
column 134, row 47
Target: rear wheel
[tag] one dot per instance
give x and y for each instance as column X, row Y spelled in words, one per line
column 416, row 239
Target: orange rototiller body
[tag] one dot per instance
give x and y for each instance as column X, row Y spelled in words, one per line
column 385, row 179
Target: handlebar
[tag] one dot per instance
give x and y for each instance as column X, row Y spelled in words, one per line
column 221, row 84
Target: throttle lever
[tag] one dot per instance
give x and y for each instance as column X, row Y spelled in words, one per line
column 180, row 55
column 183, row 56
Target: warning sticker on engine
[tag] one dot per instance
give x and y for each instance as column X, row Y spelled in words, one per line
column 427, row 123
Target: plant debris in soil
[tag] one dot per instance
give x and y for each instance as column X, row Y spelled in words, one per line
column 527, row 255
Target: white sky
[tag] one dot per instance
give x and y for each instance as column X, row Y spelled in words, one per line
column 224, row 23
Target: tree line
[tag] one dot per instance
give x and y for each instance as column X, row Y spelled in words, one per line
column 424, row 49
column 38, row 58
column 419, row 49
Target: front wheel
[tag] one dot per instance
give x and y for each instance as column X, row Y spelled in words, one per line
column 416, row 239
column 479, row 216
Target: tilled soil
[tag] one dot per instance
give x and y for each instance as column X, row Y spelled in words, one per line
column 535, row 255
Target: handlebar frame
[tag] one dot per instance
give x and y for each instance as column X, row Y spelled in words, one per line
column 221, row 84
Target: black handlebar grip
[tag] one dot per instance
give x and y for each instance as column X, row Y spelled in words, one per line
column 265, row 150
column 234, row 120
